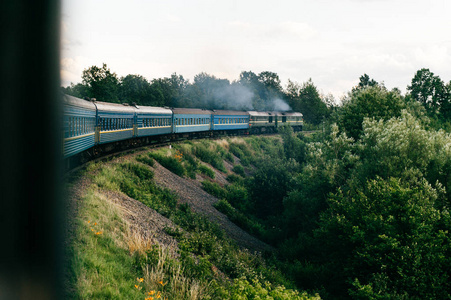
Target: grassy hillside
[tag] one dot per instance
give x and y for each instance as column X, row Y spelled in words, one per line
column 117, row 252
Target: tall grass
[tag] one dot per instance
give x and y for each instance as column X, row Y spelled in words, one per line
column 100, row 264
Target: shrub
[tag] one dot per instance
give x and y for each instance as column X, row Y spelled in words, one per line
column 146, row 159
column 239, row 169
column 239, row 218
column 171, row 163
column 212, row 157
column 232, row 178
column 214, row 189
column 207, row 171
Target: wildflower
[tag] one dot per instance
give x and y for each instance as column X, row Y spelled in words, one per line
column 149, row 298
column 158, row 295
column 89, row 222
column 95, row 223
column 92, row 229
column 136, row 286
column 162, row 284
column 151, row 293
column 99, row 232
column 140, row 279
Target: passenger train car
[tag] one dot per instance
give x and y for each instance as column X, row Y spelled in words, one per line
column 90, row 127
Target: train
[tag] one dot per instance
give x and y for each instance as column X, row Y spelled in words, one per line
column 93, row 127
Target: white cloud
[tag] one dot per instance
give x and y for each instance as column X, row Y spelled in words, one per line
column 173, row 18
column 279, row 31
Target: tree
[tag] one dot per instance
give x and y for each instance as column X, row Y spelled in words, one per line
column 213, row 91
column 77, row 90
column 135, row 88
column 388, row 240
column 429, row 90
column 102, row 84
column 365, row 81
column 372, row 102
column 269, row 186
column 306, row 99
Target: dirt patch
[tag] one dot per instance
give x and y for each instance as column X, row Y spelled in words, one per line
column 201, row 202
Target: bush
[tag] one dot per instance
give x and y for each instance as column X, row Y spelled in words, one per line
column 214, row 189
column 146, row 159
column 232, row 178
column 207, row 171
column 239, row 218
column 239, row 169
column 169, row 162
column 212, row 157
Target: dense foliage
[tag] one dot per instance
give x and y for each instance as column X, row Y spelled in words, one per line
column 361, row 210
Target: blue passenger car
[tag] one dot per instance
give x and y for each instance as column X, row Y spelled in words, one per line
column 114, row 122
column 79, row 121
column 191, row 120
column 153, row 121
column 230, row 120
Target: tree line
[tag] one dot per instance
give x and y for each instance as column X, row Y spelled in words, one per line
column 251, row 91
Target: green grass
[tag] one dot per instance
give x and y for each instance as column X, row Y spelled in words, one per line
column 101, row 266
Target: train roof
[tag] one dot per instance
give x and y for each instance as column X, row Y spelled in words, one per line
column 152, row 109
column 192, row 111
column 292, row 114
column 74, row 101
column 116, row 107
column 259, row 113
column 230, row 112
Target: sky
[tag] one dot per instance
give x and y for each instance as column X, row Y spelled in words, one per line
column 333, row 42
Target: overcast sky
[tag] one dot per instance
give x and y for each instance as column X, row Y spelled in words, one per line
column 333, row 42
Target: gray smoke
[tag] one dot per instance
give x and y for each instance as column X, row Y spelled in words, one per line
column 234, row 96
column 280, row 105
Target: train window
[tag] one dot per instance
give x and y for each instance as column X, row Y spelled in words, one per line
column 70, row 126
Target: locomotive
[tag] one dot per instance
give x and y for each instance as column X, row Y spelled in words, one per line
column 91, row 127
